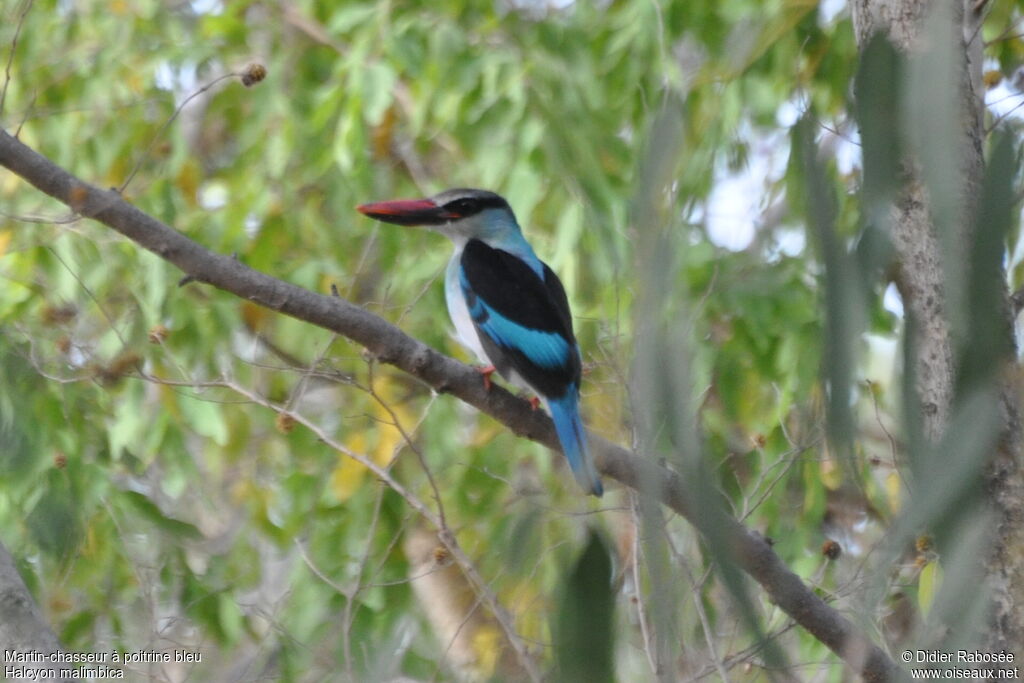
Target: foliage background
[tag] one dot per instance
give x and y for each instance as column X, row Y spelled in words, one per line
column 151, row 506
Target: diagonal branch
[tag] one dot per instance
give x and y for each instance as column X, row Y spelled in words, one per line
column 390, row 345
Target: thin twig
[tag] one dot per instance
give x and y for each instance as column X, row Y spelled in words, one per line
column 788, row 459
column 696, row 587
column 1005, row 35
column 888, row 435
column 455, row 636
column 28, row 111
column 89, row 293
column 167, row 124
column 444, row 534
column 10, row 57
column 397, row 424
column 42, row 220
column 996, row 120
column 645, row 630
column 348, row 619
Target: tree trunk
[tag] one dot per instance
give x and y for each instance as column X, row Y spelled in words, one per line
column 23, row 630
column 924, row 280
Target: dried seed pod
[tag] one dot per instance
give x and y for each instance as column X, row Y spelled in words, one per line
column 285, row 423
column 157, row 334
column 253, row 74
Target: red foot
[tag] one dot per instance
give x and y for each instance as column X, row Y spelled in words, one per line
column 486, row 373
column 535, row 402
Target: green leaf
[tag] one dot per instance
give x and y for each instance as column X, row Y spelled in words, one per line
column 351, row 16
column 349, row 139
column 151, row 512
column 844, row 306
column 378, row 86
column 232, row 621
column 54, row 523
column 877, row 92
column 585, row 622
column 206, row 417
column 990, row 342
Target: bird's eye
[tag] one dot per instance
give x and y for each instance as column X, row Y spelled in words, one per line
column 462, row 207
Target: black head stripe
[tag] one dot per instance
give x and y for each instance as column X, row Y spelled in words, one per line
column 468, row 202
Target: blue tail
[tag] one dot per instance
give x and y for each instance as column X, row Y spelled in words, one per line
column 565, row 412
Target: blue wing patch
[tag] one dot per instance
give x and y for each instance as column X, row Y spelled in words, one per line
column 549, row 350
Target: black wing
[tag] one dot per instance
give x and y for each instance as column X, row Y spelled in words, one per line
column 523, row 321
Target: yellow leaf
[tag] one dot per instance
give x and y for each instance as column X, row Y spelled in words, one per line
column 831, row 474
column 379, row 441
column 389, row 436
column 90, row 545
column 242, row 490
column 134, row 80
column 255, row 317
column 117, row 171
column 892, row 491
column 531, row 623
column 602, row 405
column 992, row 78
column 931, row 577
column 484, row 433
column 5, row 239
column 188, row 182
column 487, row 642
column 346, row 478
column 9, row 183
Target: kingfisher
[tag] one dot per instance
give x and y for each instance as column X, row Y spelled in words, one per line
column 508, row 307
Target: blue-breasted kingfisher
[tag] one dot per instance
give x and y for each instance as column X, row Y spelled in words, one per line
column 508, row 307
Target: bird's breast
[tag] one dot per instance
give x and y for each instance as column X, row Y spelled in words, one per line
column 458, row 311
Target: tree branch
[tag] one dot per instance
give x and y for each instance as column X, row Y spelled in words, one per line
column 392, row 346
